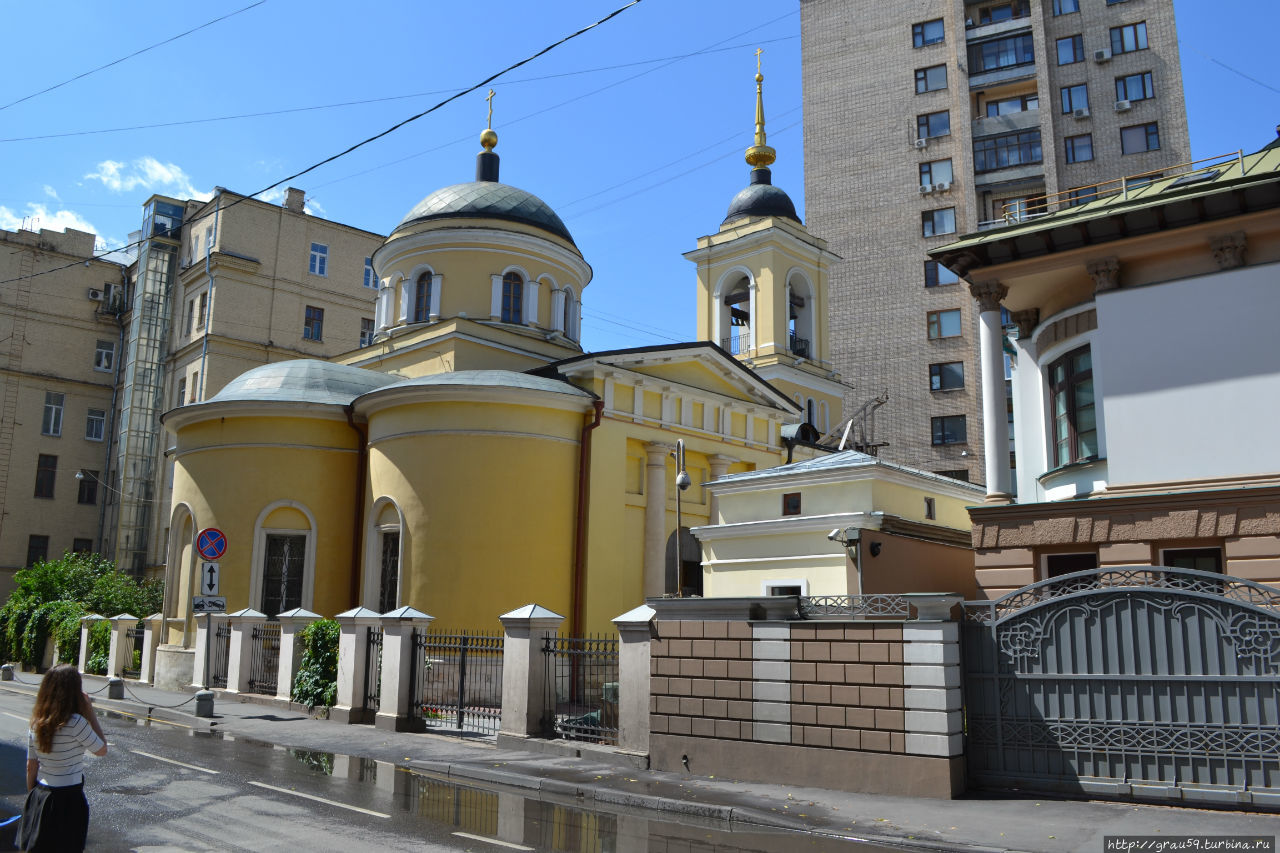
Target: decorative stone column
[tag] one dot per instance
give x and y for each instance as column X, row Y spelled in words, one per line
column 530, row 306
column 557, row 310
column 931, row 673
column 240, row 656
column 206, row 628
column 398, row 627
column 353, row 657
column 635, row 630
column 524, row 669
column 655, row 519
column 995, row 416
column 152, row 628
column 121, row 624
column 291, row 623
column 86, row 623
column 719, row 464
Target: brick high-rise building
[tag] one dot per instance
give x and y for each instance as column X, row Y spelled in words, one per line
column 931, row 119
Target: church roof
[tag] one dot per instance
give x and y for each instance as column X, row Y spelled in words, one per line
column 762, row 198
column 844, row 460
column 302, row 381
column 487, row 200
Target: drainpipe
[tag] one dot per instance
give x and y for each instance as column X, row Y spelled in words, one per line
column 357, row 523
column 208, row 319
column 110, row 426
column 580, row 530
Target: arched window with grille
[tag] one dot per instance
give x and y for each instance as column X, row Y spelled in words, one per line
column 422, row 298
column 512, row 298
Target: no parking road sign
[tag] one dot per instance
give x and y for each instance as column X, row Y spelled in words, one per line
column 211, row 543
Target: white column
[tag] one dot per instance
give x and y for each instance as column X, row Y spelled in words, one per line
column 931, row 675
column 291, row 622
column 557, row 310
column 353, row 651
column 437, row 282
column 524, row 668
column 120, row 625
column 154, row 628
column 995, row 416
column 495, row 299
column 531, row 302
column 398, row 628
column 655, row 519
column 240, row 656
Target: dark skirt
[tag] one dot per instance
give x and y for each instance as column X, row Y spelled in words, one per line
column 54, row 819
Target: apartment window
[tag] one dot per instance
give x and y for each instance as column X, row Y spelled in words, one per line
column 191, row 315
column 1009, row 149
column 1001, row 12
column 370, row 280
column 1014, row 104
column 936, row 275
column 1140, row 137
column 949, row 429
column 934, row 223
column 195, row 386
column 88, row 488
column 1079, row 149
column 947, row 376
column 1071, row 50
column 104, row 356
column 81, row 546
column 1065, row 7
column 95, row 424
column 1001, row 53
column 202, row 313
column 791, row 503
column 1081, row 195
column 512, row 298
column 1057, row 565
column 1200, row 559
column 931, row 79
column 930, row 509
column 46, row 473
column 319, row 259
column 1129, row 38
column 935, row 172
column 182, row 391
column 37, row 549
column 422, row 298
column 1075, row 429
column 313, row 324
column 931, row 125
column 1075, row 98
column 366, row 331
column 944, row 324
column 1135, row 87
column 929, row 32
column 52, row 422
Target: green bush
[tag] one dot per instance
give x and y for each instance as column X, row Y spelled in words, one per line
column 317, row 680
column 51, row 596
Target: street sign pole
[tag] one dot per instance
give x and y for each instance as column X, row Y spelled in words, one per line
column 208, row 641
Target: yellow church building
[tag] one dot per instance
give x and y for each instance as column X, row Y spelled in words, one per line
column 473, row 458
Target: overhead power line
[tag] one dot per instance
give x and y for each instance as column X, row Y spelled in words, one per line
column 361, row 143
column 138, row 52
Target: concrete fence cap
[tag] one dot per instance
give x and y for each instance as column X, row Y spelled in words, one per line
column 530, row 612
column 247, row 613
column 298, row 613
column 154, row 617
column 641, row 615
column 406, row 612
column 358, row 613
column 93, row 617
column 120, row 616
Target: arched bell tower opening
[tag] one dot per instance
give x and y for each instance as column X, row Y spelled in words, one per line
column 801, row 336
column 736, row 312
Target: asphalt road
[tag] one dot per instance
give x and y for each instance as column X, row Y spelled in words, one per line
column 165, row 787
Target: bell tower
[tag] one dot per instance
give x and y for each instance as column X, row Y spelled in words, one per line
column 762, row 288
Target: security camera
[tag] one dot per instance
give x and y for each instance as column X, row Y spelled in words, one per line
column 834, row 535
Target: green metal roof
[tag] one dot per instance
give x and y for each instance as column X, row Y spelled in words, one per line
column 302, row 380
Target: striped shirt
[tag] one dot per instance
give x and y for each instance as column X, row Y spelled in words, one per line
column 64, row 764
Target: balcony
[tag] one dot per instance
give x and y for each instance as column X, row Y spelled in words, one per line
column 1010, row 123
column 798, row 346
column 739, row 343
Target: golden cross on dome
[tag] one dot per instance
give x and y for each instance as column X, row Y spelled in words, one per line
column 759, row 50
column 489, row 98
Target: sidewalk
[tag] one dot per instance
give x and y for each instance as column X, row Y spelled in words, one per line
column 980, row 822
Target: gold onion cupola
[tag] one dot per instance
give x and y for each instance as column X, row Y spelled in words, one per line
column 761, row 197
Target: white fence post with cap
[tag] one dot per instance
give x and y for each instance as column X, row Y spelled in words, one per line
column 398, row 627
column 636, row 631
column 240, row 655
column 152, row 627
column 291, row 623
column 121, row 624
column 353, row 658
column 524, row 672
column 86, row 624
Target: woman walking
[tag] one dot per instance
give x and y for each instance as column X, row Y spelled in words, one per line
column 63, row 727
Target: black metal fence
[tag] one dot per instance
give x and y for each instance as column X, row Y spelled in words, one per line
column 581, row 688
column 373, row 669
column 220, row 656
column 131, row 654
column 457, row 681
column 264, row 659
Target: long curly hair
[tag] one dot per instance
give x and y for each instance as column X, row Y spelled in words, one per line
column 58, row 699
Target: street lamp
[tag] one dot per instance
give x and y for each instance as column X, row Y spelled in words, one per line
column 682, row 483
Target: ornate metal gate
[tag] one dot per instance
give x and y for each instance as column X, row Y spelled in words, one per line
column 1127, row 682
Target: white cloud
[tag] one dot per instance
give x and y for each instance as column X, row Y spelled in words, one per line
column 38, row 216
column 147, row 173
column 51, row 192
column 275, row 195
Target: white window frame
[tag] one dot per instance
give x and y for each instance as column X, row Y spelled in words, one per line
column 104, row 356
column 101, row 422
column 319, row 262
column 54, row 405
column 373, row 552
column 260, row 535
column 370, row 277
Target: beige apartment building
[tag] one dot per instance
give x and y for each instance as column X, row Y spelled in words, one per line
column 61, row 334
column 928, row 120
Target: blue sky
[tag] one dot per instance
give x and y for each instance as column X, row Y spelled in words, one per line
column 633, row 132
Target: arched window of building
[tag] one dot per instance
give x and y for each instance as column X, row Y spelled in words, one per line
column 799, row 317
column 422, row 299
column 570, row 314
column 512, row 298
column 736, row 333
column 283, row 568
column 811, row 412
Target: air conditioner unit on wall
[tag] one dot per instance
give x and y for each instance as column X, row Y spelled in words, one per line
column 942, row 186
column 1083, row 112
column 95, row 294
column 922, row 143
column 1101, row 55
column 1121, row 106
column 926, row 188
